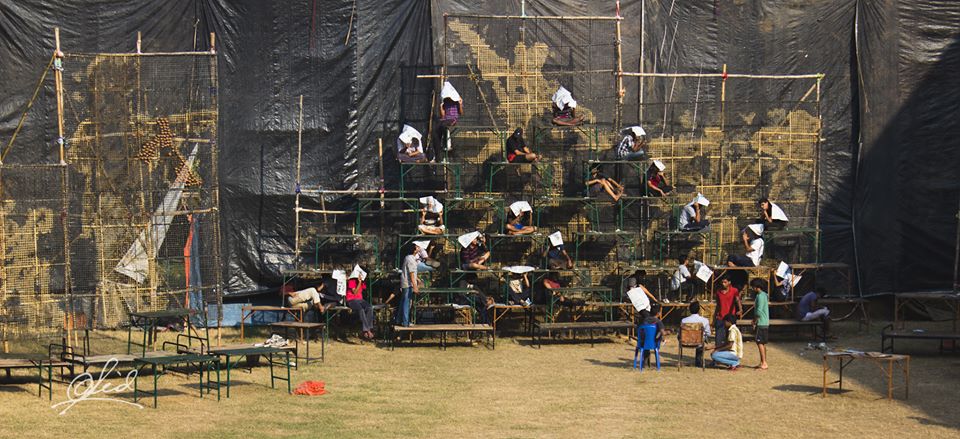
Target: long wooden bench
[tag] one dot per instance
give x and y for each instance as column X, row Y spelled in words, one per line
column 889, row 333
column 788, row 323
column 443, row 329
column 574, row 327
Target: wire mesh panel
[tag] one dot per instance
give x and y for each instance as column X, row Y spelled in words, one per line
column 33, row 273
column 507, row 68
column 737, row 140
column 143, row 192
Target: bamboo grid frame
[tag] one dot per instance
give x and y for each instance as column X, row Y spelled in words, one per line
column 86, row 213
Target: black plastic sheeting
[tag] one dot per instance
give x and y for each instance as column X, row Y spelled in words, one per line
column 889, row 181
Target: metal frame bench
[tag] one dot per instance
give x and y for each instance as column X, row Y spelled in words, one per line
column 301, row 328
column 31, row 361
column 889, row 333
column 443, row 329
column 540, row 328
column 206, row 363
column 242, row 352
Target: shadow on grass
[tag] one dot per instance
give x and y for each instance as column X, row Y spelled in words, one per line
column 810, row 390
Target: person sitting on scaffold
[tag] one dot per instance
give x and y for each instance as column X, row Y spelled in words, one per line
column 410, row 146
column 773, row 216
column 692, row 216
column 565, row 108
column 632, row 146
column 520, row 222
column 599, row 183
column 431, row 217
column 657, row 185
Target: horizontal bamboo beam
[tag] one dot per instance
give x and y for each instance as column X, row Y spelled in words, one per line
column 535, row 17
column 721, row 75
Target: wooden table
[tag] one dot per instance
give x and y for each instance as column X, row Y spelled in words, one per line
column 148, row 321
column 247, row 312
column 885, row 362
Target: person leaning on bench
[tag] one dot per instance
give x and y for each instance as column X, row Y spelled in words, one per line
column 314, row 296
column 808, row 310
column 355, row 286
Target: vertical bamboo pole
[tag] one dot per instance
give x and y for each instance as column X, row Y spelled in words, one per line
column 296, row 209
column 382, row 184
column 816, row 173
column 643, row 17
column 61, row 142
column 620, row 91
column 216, row 187
column 58, row 83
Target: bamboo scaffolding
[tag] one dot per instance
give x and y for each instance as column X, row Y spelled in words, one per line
column 721, row 75
column 535, row 17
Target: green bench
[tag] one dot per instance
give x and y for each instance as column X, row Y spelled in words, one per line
column 239, row 353
column 39, row 362
column 206, row 363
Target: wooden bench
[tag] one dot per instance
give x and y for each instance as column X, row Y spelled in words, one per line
column 889, row 333
column 443, row 329
column 303, row 328
column 574, row 327
column 501, row 309
column 787, row 323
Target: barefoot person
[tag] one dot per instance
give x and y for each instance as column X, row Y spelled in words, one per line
column 632, row 145
column 556, row 255
column 657, row 184
column 599, row 184
column 520, row 223
column 410, row 146
column 474, row 254
column 729, row 351
column 761, row 320
column 517, row 149
column 565, row 108
column 431, row 217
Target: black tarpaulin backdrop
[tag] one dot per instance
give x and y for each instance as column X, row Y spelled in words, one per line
column 889, row 180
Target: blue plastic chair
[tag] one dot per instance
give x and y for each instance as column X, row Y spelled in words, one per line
column 646, row 341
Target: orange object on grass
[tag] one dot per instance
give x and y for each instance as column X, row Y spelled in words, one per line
column 312, row 388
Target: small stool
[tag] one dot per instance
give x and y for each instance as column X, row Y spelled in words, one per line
column 301, row 328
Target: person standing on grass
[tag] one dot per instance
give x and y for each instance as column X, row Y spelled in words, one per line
column 761, row 320
column 409, row 285
column 728, row 304
column 729, row 351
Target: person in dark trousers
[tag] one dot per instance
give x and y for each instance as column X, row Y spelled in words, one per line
column 355, row 287
column 695, row 317
column 650, row 318
column 728, row 304
column 773, row 217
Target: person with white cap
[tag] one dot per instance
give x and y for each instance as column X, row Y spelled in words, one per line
column 555, row 254
column 692, row 218
column 599, row 184
column 474, row 253
column 657, row 184
column 517, row 149
column 519, row 223
column 410, row 146
column 632, row 145
column 356, row 284
column 752, row 238
column 564, row 108
column 773, row 216
column 431, row 217
column 451, row 108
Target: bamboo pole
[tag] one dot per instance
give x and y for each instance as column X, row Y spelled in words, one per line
column 58, row 82
column 23, row 116
column 216, row 188
column 721, row 75
column 643, row 29
column 535, row 17
column 619, row 73
column 723, row 95
column 296, row 209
